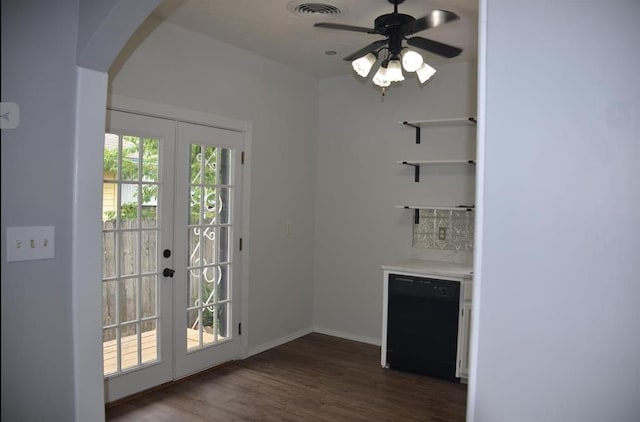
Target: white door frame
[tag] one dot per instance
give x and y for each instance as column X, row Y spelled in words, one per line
column 132, row 105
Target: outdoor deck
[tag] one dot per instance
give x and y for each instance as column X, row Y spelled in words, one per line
column 149, row 350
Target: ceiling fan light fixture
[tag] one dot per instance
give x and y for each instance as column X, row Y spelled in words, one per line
column 395, row 29
column 425, row 72
column 380, row 78
column 411, row 60
column 363, row 65
column 394, row 71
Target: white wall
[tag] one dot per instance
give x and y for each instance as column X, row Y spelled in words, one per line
column 559, row 281
column 39, row 74
column 185, row 69
column 358, row 183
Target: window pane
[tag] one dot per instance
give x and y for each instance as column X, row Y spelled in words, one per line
column 195, row 165
column 130, row 158
column 129, row 346
column 210, row 166
column 223, row 244
column 222, row 313
column 149, row 341
column 208, row 245
column 149, row 296
column 109, row 201
column 149, row 251
column 128, row 253
column 150, row 159
column 194, row 246
column 149, row 205
column 109, row 304
column 224, row 166
column 193, row 328
column 108, row 253
column 110, row 351
column 222, row 285
column 129, row 205
column 208, row 324
column 128, row 299
column 193, row 288
column 210, row 274
column 110, row 158
column 211, row 205
column 223, row 205
column 194, row 205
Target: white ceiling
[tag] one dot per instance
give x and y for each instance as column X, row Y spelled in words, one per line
column 269, row 28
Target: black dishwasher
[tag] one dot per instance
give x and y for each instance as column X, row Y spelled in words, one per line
column 422, row 325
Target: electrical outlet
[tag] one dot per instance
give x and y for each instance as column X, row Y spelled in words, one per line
column 29, row 243
column 442, row 233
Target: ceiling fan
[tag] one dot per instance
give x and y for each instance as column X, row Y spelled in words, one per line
column 396, row 28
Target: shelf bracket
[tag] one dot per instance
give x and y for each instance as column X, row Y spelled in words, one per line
column 467, row 207
column 416, row 127
column 416, row 170
column 416, row 214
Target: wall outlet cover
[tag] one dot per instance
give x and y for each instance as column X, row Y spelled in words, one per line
column 442, row 233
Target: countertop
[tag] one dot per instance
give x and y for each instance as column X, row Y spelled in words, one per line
column 433, row 268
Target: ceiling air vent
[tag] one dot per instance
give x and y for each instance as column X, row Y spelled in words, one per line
column 315, row 10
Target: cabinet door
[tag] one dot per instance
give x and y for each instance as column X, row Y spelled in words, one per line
column 465, row 333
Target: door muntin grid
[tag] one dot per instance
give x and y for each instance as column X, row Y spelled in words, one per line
column 130, row 239
column 210, row 229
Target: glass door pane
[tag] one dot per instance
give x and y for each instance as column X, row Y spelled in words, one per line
column 130, row 253
column 208, row 268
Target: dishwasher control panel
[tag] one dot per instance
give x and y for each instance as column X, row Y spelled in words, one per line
column 424, row 287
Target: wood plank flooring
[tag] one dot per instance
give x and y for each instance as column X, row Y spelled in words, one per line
column 313, row 378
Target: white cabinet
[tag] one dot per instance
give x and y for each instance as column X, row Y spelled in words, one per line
column 464, row 331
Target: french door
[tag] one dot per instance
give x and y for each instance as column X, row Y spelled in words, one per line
column 171, row 225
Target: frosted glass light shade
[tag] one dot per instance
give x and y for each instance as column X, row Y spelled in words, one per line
column 425, row 72
column 394, row 71
column 380, row 78
column 411, row 60
column 363, row 65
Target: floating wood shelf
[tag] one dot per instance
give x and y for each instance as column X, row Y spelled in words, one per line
column 418, row 124
column 416, row 209
column 417, row 163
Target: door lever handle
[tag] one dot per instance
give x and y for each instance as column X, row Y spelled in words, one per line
column 168, row 272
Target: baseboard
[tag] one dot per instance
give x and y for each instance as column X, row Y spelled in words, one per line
column 278, row 342
column 348, row 336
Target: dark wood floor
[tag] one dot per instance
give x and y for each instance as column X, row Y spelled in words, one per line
column 313, row 378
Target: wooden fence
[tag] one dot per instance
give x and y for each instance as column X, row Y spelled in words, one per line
column 128, row 288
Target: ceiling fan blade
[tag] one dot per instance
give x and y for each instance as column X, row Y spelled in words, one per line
column 342, row 27
column 433, row 19
column 368, row 49
column 435, row 47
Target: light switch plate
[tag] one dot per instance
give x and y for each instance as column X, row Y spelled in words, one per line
column 29, row 243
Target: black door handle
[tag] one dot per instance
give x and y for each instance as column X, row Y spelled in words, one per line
column 168, row 272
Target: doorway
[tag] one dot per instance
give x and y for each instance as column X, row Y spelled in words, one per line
column 171, row 224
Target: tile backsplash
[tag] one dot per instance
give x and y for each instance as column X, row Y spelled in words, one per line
column 444, row 230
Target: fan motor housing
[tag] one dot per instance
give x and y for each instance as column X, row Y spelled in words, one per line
column 386, row 24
